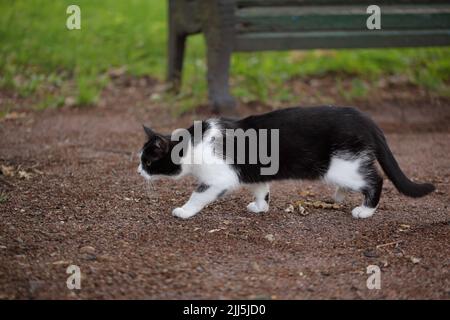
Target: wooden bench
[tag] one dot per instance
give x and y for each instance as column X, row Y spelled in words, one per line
column 256, row 25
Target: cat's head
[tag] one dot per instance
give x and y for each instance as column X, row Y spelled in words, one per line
column 155, row 157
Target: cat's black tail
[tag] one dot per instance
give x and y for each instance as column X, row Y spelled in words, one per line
column 395, row 174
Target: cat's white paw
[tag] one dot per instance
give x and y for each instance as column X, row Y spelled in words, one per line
column 253, row 207
column 182, row 213
column 363, row 212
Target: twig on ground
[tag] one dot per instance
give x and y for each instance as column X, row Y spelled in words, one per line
column 389, row 244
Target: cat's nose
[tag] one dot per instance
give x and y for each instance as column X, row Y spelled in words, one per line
column 139, row 169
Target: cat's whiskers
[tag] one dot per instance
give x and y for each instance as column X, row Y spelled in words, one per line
column 151, row 190
column 152, row 186
column 148, row 186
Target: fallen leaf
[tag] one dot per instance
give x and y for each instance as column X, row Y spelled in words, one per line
column 404, row 227
column 214, row 230
column 317, row 204
column 415, row 260
column 270, row 237
column 290, row 208
column 320, row 204
column 24, row 175
column 7, row 171
column 302, row 210
column 306, row 193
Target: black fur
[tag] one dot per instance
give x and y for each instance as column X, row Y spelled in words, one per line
column 202, row 188
column 309, row 137
column 394, row 173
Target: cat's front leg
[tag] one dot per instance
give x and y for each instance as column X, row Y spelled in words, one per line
column 201, row 197
column 261, row 193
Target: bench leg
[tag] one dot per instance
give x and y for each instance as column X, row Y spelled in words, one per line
column 177, row 44
column 219, row 57
column 218, row 28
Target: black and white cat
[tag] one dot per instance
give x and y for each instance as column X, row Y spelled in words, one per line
column 338, row 145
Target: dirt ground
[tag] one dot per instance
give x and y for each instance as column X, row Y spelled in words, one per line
column 71, row 195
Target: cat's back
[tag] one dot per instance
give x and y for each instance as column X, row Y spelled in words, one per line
column 302, row 118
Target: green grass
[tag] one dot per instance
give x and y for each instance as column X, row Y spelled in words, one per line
column 37, row 51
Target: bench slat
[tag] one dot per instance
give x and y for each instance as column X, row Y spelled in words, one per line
column 283, row 3
column 340, row 39
column 326, row 10
column 340, row 18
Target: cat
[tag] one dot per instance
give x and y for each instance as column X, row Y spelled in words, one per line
column 338, row 145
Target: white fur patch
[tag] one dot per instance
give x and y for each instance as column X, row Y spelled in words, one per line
column 201, row 161
column 257, row 208
column 142, row 172
column 260, row 191
column 363, row 212
column 182, row 213
column 344, row 172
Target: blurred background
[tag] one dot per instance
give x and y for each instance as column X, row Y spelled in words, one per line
column 44, row 65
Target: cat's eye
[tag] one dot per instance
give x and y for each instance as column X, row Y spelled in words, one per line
column 148, row 163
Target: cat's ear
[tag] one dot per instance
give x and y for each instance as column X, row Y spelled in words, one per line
column 149, row 132
column 161, row 144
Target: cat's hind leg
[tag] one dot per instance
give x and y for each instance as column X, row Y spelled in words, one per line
column 339, row 194
column 372, row 193
column 261, row 191
column 357, row 172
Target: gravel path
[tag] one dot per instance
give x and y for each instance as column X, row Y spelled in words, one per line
column 74, row 197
